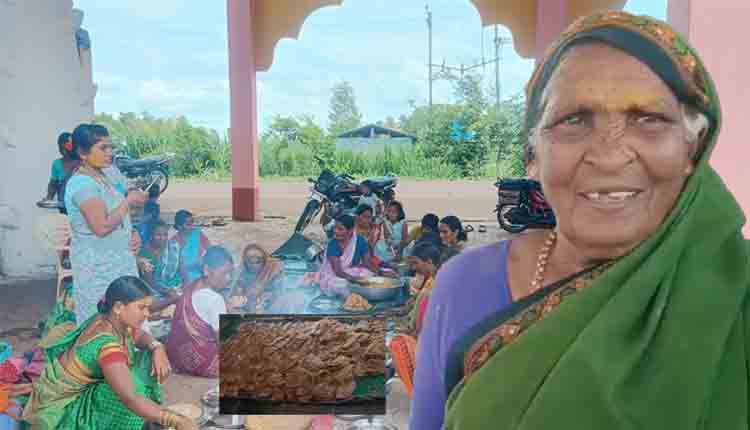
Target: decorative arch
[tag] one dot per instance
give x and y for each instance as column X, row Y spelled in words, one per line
column 276, row 19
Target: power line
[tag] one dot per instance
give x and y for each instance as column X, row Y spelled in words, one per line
column 444, row 71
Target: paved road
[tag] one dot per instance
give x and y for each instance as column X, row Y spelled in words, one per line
column 472, row 201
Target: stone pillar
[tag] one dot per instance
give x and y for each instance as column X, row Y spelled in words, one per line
column 244, row 114
column 48, row 90
column 719, row 32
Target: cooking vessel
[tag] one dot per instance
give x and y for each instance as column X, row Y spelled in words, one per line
column 387, row 289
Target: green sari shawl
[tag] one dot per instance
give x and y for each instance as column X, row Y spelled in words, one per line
column 77, row 396
column 658, row 340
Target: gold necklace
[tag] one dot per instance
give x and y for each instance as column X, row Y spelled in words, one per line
column 100, row 178
column 542, row 260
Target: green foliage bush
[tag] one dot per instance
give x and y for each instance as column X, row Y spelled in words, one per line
column 290, row 145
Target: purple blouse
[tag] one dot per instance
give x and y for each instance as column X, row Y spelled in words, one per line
column 469, row 288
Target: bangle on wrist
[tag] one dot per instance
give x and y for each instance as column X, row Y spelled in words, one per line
column 168, row 418
column 154, row 344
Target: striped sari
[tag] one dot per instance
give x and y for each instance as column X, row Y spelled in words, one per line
column 72, row 392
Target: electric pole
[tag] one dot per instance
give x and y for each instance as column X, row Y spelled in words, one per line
column 429, row 51
column 497, row 70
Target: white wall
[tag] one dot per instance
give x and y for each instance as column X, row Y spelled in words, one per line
column 45, row 88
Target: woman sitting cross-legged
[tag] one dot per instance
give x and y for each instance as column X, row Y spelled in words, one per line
column 158, row 263
column 391, row 245
column 192, row 244
column 347, row 259
column 365, row 226
column 261, row 278
column 193, row 341
column 95, row 378
column 426, row 260
column 452, row 233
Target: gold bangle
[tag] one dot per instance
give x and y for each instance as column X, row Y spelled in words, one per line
column 168, row 418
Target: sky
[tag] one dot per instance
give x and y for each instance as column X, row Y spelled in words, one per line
column 169, row 57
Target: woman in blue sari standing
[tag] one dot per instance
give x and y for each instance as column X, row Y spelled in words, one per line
column 103, row 243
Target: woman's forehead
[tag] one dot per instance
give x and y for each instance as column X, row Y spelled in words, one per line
column 143, row 301
column 604, row 77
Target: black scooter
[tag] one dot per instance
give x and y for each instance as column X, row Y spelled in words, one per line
column 521, row 205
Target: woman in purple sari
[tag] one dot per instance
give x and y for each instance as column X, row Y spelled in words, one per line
column 347, row 259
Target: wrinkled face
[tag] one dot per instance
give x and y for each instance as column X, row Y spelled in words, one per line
column 134, row 313
column 448, row 236
column 365, row 219
column 219, row 278
column 160, row 237
column 611, row 150
column 392, row 214
column 341, row 233
column 254, row 260
column 100, row 155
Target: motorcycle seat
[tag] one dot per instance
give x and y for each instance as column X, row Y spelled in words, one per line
column 513, row 184
column 382, row 182
column 142, row 162
column 538, row 200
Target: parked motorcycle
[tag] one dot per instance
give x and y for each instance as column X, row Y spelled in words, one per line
column 339, row 194
column 145, row 172
column 521, row 205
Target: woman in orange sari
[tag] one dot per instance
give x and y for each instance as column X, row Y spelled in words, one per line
column 425, row 260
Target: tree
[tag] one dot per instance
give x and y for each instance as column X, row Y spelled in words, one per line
column 343, row 114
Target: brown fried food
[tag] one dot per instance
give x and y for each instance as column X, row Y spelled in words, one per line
column 301, row 361
column 355, row 302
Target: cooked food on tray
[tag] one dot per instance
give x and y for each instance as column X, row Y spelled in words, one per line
column 301, row 361
column 355, row 302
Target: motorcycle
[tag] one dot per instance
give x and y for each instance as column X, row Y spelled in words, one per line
column 145, row 172
column 339, row 194
column 521, row 205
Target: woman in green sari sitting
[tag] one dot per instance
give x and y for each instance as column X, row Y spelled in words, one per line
column 95, row 377
column 633, row 313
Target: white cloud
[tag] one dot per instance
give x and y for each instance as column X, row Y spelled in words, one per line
column 162, row 92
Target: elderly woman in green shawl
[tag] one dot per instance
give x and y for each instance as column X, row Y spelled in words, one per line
column 633, row 312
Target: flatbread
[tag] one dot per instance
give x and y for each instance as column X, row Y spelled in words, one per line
column 355, row 302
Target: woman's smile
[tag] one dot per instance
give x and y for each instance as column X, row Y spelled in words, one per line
column 611, row 199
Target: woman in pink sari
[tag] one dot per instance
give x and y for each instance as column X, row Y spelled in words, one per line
column 347, row 259
column 193, row 346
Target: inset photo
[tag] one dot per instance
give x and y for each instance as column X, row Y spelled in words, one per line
column 302, row 365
